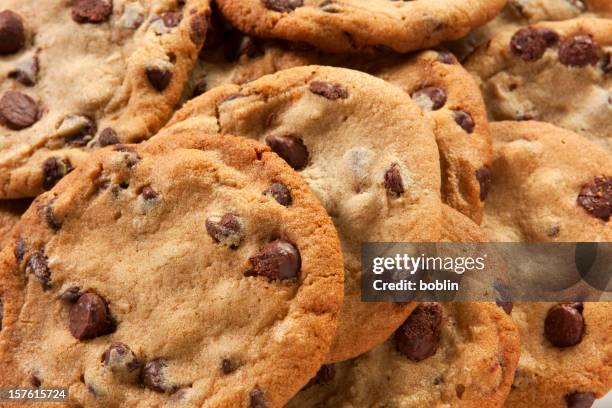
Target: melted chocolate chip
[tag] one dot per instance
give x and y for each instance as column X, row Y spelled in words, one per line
column 37, row 265
column 35, row 381
column 226, row 229
column 228, row 365
column 430, row 98
column 199, row 26
column 25, row 71
column 71, row 295
column 172, row 18
column 154, row 378
column 20, row 249
column 149, row 194
column 120, row 359
column 53, row 170
column 276, row 260
column 280, row 193
column 446, row 57
column 596, row 197
column 579, row 399
column 46, row 213
column 579, row 51
column 90, row 317
column 91, row 11
column 464, row 119
column 77, row 130
column 257, row 399
column 483, row 175
column 325, row 375
column 564, row 325
column 290, row 148
column 17, row 110
column 531, row 43
column 108, row 137
column 327, row 90
column 419, row 336
column 283, row 6
column 12, row 35
column 159, row 78
column 393, row 181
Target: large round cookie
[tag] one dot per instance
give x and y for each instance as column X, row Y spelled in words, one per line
column 359, row 25
column 566, row 355
column 76, row 75
column 521, row 71
column 364, row 149
column 10, row 212
column 444, row 355
column 548, row 184
column 170, row 274
column 442, row 88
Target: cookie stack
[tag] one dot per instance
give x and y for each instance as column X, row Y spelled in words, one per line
column 196, row 180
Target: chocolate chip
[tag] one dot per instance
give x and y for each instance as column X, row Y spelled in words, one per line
column 579, row 399
column 37, row 265
column 20, row 249
column 446, row 57
column 579, row 51
column 25, row 71
column 53, row 170
column 120, row 359
column 91, row 11
column 108, row 137
column 199, row 26
column 596, row 197
column 325, row 375
column 71, row 295
column 419, row 336
column 149, row 194
column 290, row 148
column 283, row 6
column 483, row 175
column 531, row 43
column 35, row 381
column 280, row 193
column 46, row 212
column 606, row 63
column 564, row 325
column 12, row 35
column 276, row 260
column 327, row 90
column 77, row 130
column 226, row 229
column 459, row 390
column 228, row 365
column 393, row 181
column 464, row 119
column 90, row 317
column 171, row 18
column 257, row 399
column 1, row 313
column 430, row 98
column 237, row 44
column 505, row 295
column 17, row 110
column 154, row 378
column 159, row 77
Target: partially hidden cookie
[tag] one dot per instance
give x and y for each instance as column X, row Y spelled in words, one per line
column 78, row 75
column 547, row 185
column 167, row 274
column 444, row 355
column 566, row 354
column 364, row 148
column 353, row 25
column 559, row 73
column 10, row 212
column 441, row 87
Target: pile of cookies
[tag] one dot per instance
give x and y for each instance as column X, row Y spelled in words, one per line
column 185, row 186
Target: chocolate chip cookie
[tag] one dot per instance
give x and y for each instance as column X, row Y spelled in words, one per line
column 78, row 75
column 435, row 80
column 364, row 148
column 200, row 271
column 565, row 355
column 10, row 212
column 444, row 355
column 521, row 71
column 353, row 25
column 547, row 184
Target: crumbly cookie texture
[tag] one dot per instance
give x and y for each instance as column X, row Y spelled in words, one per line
column 172, row 273
column 519, row 13
column 364, row 148
column 444, row 355
column 78, row 75
column 548, row 184
column 354, row 25
column 520, row 71
column 440, row 86
column 10, row 212
column 566, row 355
